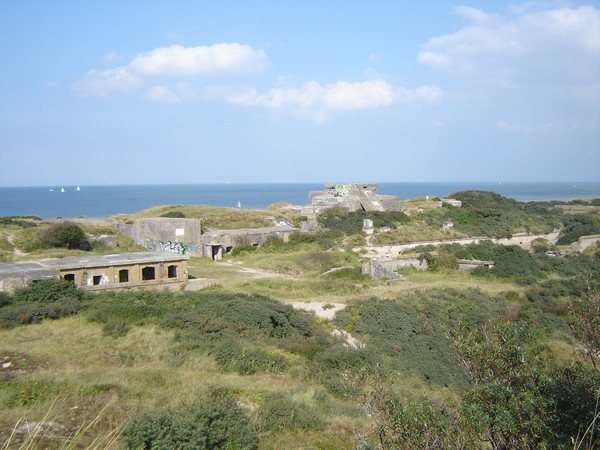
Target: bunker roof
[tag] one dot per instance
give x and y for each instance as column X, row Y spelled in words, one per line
column 27, row 269
column 122, row 259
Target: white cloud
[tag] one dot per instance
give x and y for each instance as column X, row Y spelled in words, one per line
column 178, row 60
column 111, row 57
column 174, row 61
column 109, row 81
column 170, row 75
column 558, row 47
column 314, row 100
column 162, row 94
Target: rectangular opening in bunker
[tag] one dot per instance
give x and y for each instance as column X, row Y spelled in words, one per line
column 172, row 271
column 148, row 273
column 97, row 279
column 123, row 276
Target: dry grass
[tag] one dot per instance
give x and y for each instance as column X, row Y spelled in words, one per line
column 414, row 232
column 102, row 382
column 218, row 217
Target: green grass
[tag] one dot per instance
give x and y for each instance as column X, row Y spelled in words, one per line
column 414, row 232
column 218, row 217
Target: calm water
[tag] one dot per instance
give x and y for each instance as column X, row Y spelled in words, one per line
column 104, row 201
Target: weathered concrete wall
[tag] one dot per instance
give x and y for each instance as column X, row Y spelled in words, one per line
column 167, row 234
column 20, row 274
column 217, row 244
column 583, row 242
column 468, row 264
column 386, row 268
column 184, row 236
column 521, row 239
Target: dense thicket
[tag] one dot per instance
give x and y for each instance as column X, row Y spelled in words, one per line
column 486, row 213
column 352, row 222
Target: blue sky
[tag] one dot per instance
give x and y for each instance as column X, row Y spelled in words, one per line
column 145, row 92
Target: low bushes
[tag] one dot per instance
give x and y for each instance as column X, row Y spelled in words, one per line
column 352, row 222
column 30, row 313
column 26, row 393
column 279, row 412
column 47, row 291
column 213, row 421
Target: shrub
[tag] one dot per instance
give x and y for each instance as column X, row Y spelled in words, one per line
column 280, row 412
column 241, row 249
column 25, row 393
column 352, row 222
column 248, row 361
column 5, row 299
column 213, row 421
column 242, row 316
column 440, row 261
column 63, row 234
column 174, row 214
column 116, row 328
column 30, row 313
column 47, row 291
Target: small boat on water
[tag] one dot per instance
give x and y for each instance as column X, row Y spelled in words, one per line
column 78, row 188
column 62, row 189
column 51, row 190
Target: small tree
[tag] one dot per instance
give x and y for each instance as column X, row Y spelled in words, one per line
column 64, row 234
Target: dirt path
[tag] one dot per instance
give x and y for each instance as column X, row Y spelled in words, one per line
column 327, row 311
column 257, row 273
column 16, row 251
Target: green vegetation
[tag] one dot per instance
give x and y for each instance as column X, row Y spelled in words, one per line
column 489, row 214
column 213, row 421
column 352, row 222
column 577, row 225
column 490, row 358
column 218, row 217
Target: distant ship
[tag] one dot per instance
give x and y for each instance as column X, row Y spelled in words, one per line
column 51, row 190
column 78, row 188
column 62, row 189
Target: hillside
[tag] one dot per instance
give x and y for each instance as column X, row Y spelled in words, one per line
column 504, row 357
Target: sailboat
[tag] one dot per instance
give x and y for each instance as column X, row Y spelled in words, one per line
column 78, row 188
column 51, row 190
column 62, row 189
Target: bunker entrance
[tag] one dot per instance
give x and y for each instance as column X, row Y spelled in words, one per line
column 69, row 277
column 215, row 252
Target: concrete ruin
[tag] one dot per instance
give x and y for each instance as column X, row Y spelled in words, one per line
column 20, row 274
column 186, row 236
column 126, row 270
column 388, row 267
column 354, row 197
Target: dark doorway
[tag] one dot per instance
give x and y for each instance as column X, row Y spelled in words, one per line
column 148, row 273
column 97, row 279
column 70, row 277
column 123, row 276
column 172, row 271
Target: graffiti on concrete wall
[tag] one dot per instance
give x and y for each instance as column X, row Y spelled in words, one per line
column 342, row 189
column 97, row 280
column 178, row 247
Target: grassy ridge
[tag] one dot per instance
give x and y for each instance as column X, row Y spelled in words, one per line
column 217, row 217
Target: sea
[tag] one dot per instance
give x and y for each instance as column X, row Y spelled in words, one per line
column 104, row 201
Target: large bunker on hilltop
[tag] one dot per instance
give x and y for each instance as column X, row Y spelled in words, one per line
column 354, row 197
